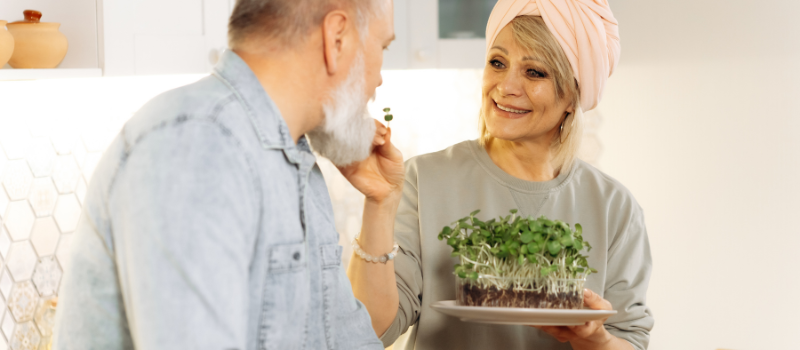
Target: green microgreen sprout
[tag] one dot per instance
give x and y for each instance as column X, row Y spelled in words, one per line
column 388, row 117
column 512, row 250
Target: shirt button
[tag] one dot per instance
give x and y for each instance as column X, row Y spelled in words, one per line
column 296, row 256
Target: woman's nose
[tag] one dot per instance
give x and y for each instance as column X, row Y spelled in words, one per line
column 510, row 85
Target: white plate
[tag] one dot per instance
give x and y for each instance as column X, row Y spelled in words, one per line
column 508, row 315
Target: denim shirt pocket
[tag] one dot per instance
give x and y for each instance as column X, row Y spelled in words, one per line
column 331, row 255
column 287, row 257
column 285, row 299
column 347, row 323
column 335, row 302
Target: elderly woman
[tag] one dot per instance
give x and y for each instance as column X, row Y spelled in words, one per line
column 547, row 61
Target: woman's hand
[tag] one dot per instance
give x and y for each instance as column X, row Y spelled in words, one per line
column 381, row 175
column 591, row 335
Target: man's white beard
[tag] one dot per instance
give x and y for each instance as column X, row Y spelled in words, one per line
column 345, row 136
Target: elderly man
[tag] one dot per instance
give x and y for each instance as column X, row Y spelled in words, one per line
column 207, row 224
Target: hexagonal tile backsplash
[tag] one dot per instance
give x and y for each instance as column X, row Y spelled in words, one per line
column 42, row 185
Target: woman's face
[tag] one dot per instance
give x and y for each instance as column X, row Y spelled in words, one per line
column 519, row 95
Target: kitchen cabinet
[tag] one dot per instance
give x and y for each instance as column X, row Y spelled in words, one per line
column 447, row 33
column 147, row 37
column 123, row 37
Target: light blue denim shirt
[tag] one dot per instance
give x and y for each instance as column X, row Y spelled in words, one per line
column 206, row 227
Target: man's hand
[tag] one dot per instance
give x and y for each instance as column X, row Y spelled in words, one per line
column 381, row 175
column 591, row 335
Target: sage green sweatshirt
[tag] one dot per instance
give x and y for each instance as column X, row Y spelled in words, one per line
column 444, row 186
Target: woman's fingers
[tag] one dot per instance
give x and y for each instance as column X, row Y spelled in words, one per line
column 561, row 334
column 584, row 330
column 594, row 301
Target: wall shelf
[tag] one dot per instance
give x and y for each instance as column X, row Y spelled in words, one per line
column 78, row 19
column 57, row 73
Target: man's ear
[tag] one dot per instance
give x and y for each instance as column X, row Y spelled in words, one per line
column 335, row 28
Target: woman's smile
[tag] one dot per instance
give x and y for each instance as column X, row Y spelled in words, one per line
column 509, row 111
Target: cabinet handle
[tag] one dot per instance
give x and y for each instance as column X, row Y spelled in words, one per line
column 214, row 55
column 423, row 55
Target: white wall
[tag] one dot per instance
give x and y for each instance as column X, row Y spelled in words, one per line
column 701, row 123
column 711, row 151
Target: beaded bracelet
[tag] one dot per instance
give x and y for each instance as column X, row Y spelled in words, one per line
column 369, row 258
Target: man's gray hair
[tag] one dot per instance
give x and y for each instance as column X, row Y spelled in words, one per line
column 289, row 21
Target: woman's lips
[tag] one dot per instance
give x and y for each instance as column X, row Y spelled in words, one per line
column 509, row 111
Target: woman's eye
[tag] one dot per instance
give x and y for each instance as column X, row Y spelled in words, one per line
column 496, row 64
column 536, row 74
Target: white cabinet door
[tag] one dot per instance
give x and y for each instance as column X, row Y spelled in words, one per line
column 146, row 37
column 448, row 33
column 396, row 57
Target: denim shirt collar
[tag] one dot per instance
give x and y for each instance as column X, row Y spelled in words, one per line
column 265, row 116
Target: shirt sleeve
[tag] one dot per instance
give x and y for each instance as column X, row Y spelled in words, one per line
column 184, row 210
column 407, row 264
column 628, row 275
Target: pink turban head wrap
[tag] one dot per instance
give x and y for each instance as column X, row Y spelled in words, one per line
column 586, row 30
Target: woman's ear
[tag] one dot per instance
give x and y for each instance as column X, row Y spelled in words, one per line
column 335, row 28
column 571, row 108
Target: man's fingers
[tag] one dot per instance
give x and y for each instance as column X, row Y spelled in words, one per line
column 380, row 133
column 378, row 140
column 380, row 129
column 388, row 150
column 595, row 301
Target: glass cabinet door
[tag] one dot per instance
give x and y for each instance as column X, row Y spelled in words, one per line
column 439, row 34
column 464, row 19
column 447, row 33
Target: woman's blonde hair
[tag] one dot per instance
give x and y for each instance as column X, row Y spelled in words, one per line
column 532, row 34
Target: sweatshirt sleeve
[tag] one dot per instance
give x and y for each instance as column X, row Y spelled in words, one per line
column 407, row 264
column 627, row 278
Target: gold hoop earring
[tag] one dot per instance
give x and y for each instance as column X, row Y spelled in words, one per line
column 561, row 129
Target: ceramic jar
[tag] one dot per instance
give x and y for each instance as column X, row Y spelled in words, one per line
column 37, row 44
column 6, row 44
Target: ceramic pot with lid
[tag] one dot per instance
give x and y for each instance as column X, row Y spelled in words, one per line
column 37, row 44
column 6, row 44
